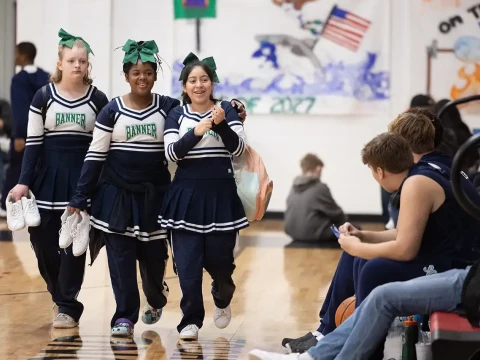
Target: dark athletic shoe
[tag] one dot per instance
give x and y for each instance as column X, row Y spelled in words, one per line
column 299, row 347
column 288, row 343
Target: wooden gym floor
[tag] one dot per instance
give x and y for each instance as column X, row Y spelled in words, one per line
column 279, row 293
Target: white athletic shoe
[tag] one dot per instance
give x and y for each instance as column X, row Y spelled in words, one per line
column 80, row 232
column 15, row 219
column 30, row 210
column 68, row 220
column 222, row 317
column 64, row 321
column 189, row 332
column 264, row 355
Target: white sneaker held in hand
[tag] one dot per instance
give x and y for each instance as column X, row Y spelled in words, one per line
column 15, row 218
column 68, row 220
column 80, row 233
column 30, row 210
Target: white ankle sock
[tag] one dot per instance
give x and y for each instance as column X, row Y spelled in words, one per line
column 318, row 335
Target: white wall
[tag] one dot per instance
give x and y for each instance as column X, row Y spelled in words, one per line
column 107, row 24
column 7, row 44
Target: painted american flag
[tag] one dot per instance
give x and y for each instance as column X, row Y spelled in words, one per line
column 345, row 28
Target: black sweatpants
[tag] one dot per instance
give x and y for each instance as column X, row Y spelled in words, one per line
column 192, row 252
column 123, row 253
column 12, row 175
column 62, row 272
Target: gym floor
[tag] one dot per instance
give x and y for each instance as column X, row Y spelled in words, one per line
column 279, row 293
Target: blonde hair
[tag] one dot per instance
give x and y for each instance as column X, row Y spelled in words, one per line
column 417, row 129
column 56, row 77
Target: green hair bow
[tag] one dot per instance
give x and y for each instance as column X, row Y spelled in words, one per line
column 68, row 40
column 209, row 61
column 147, row 52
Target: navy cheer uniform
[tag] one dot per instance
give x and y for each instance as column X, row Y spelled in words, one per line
column 58, row 135
column 202, row 207
column 126, row 170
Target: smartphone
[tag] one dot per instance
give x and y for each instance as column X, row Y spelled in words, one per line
column 335, row 231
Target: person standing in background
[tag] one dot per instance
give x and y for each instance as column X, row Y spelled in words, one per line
column 24, row 86
column 5, row 135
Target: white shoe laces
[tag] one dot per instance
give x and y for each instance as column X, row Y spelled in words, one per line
column 30, row 207
column 221, row 312
column 190, row 328
column 61, row 316
column 15, row 211
column 63, row 227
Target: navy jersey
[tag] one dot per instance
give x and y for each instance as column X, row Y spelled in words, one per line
column 59, row 133
column 130, row 142
column 204, row 157
column 449, row 230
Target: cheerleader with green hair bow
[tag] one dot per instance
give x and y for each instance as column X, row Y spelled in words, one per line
column 126, row 175
column 61, row 120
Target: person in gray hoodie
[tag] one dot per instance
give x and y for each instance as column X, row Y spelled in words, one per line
column 311, row 209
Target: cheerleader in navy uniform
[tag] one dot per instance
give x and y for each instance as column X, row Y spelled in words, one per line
column 60, row 125
column 202, row 208
column 126, row 171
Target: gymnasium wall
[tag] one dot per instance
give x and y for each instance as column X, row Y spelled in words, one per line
column 281, row 140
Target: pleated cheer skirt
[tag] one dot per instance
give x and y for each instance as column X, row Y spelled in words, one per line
column 203, row 206
column 56, row 178
column 131, row 216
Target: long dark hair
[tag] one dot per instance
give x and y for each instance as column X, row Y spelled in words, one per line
column 186, row 72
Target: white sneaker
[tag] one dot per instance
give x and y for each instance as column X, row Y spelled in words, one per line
column 80, row 232
column 30, row 210
column 15, row 219
column 68, row 220
column 64, row 321
column 264, row 355
column 189, row 332
column 222, row 317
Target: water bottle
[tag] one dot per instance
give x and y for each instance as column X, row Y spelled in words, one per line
column 410, row 338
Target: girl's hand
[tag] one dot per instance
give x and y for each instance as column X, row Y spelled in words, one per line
column 242, row 113
column 19, row 191
column 202, row 127
column 218, row 114
column 72, row 210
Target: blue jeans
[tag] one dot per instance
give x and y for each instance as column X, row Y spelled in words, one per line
column 359, row 336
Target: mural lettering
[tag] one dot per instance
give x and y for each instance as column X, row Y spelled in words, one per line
column 446, row 26
column 292, row 105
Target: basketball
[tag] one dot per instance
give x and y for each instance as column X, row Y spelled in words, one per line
column 345, row 309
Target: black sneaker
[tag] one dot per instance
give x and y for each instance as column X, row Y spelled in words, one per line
column 286, row 342
column 299, row 347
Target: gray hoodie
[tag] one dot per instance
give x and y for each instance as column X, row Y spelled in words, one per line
column 311, row 210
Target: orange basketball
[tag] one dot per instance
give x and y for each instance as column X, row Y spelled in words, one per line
column 345, row 309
